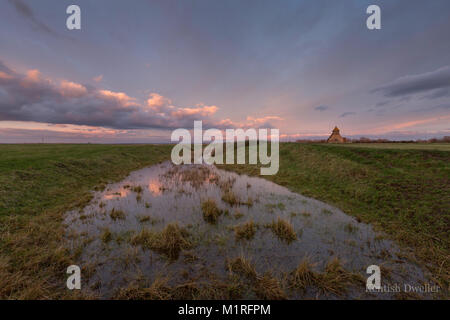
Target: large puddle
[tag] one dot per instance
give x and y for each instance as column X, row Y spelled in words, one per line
column 108, row 234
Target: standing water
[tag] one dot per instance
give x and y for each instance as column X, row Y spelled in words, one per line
column 209, row 233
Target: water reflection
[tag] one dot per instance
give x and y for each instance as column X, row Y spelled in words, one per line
column 152, row 198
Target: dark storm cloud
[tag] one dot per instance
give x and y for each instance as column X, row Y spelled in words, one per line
column 321, row 108
column 25, row 11
column 413, row 84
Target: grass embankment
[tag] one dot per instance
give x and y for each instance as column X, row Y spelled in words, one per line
column 405, row 193
column 38, row 183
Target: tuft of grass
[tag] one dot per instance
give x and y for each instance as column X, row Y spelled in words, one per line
column 210, row 211
column 327, row 212
column 158, row 290
column 268, row 288
column 237, row 214
column 117, row 214
column 230, row 198
column 169, row 241
column 106, row 236
column 242, row 266
column 304, row 276
column 283, row 230
column 336, row 279
column 245, row 231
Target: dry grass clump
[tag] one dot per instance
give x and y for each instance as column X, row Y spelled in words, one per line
column 303, row 276
column 268, row 288
column 210, row 211
column 245, row 231
column 147, row 219
column 237, row 214
column 220, row 290
column 158, row 290
column 265, row 287
column 117, row 214
column 283, row 230
column 169, row 242
column 336, row 279
column 243, row 266
column 106, row 236
column 230, row 198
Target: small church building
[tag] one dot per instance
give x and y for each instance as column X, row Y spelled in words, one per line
column 336, row 137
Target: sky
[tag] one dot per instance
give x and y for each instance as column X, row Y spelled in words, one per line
column 139, row 69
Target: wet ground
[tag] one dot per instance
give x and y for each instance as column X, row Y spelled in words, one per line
column 104, row 233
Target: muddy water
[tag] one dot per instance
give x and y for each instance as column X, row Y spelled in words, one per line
column 175, row 193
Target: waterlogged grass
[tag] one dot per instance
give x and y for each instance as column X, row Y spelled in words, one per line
column 38, row 184
column 210, row 211
column 283, row 230
column 169, row 241
column 245, row 231
column 405, row 193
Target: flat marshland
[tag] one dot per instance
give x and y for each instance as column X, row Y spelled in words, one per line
column 46, row 200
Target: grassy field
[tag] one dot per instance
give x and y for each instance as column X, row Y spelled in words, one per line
column 405, row 193
column 38, row 183
column 399, row 146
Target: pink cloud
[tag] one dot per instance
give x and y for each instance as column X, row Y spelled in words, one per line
column 32, row 97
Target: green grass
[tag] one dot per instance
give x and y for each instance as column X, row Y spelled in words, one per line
column 405, row 193
column 400, row 146
column 38, row 183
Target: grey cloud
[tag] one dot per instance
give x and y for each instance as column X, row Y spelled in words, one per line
column 437, row 94
column 346, row 114
column 25, row 11
column 434, row 108
column 382, row 104
column 413, row 84
column 321, row 108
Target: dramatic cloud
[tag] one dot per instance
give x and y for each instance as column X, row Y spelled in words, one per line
column 321, row 108
column 32, row 97
column 413, row 84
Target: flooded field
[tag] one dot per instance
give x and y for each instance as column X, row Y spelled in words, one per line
column 199, row 232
